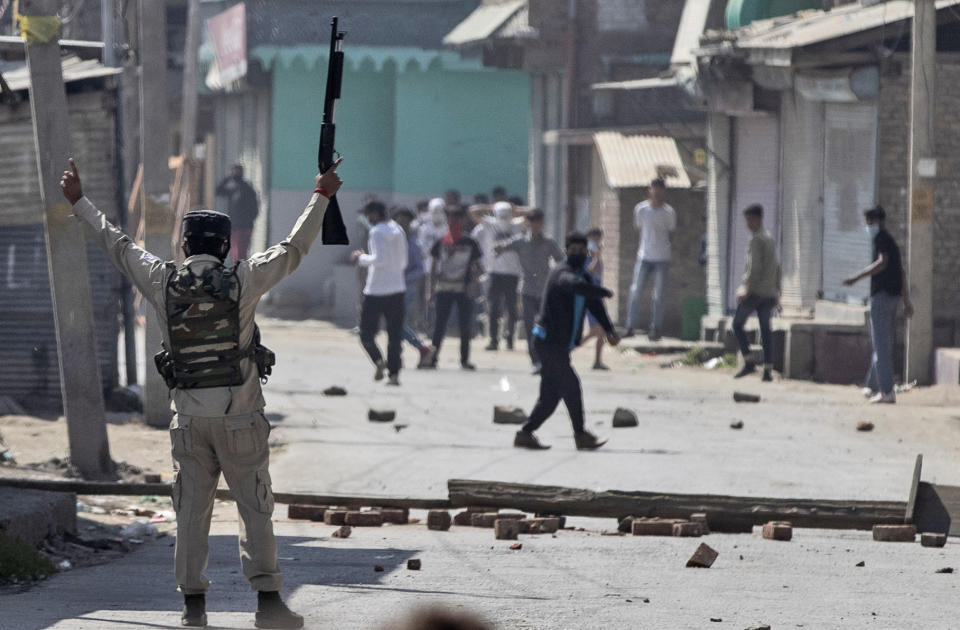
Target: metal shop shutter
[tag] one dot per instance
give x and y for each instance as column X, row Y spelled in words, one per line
column 756, row 159
column 849, row 187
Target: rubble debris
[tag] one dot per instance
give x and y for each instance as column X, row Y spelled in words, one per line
column 516, row 546
column 506, row 529
column 381, row 415
column 741, row 397
column 343, row 531
column 945, row 570
column 716, row 619
column 736, row 424
column 762, row 626
column 932, row 539
column 296, row 511
column 334, row 517
column 778, row 530
column 685, row 530
column 363, row 519
column 864, row 425
column 335, row 390
column 438, row 520
column 701, row 518
column 703, row 557
column 377, row 568
column 625, row 418
column 861, row 564
column 413, row 564
column 397, row 516
column 895, row 533
column 508, row 415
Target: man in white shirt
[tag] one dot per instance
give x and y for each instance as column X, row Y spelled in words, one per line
column 655, row 221
column 503, row 267
column 383, row 295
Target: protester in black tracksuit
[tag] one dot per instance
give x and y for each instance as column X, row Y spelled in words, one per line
column 570, row 291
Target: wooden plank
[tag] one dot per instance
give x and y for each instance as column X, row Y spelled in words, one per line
column 937, row 509
column 723, row 510
column 914, row 485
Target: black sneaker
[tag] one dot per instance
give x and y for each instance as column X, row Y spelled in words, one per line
column 469, row 367
column 509, row 344
column 273, row 613
column 767, row 376
column 394, row 380
column 747, row 369
column 601, row 366
column 381, row 369
column 194, row 611
column 492, row 347
column 654, row 335
column 527, row 440
column 587, row 441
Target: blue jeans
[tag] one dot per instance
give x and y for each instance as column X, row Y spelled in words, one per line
column 764, row 308
column 641, row 275
column 883, row 318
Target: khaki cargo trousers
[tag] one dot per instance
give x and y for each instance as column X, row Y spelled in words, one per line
column 238, row 447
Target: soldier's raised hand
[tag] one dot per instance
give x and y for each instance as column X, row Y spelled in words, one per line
column 330, row 182
column 70, row 184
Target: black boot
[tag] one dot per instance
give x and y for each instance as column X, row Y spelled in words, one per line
column 587, row 441
column 523, row 439
column 273, row 613
column 194, row 611
column 747, row 369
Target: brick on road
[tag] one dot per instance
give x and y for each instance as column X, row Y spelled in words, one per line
column 687, row 529
column 930, row 539
column 343, row 532
column 413, row 564
column 654, row 526
column 539, row 525
column 895, row 533
column 306, row 512
column 335, row 517
column 703, row 557
column 506, row 528
column 438, row 520
column 397, row 516
column 778, row 530
column 363, row 519
column 701, row 518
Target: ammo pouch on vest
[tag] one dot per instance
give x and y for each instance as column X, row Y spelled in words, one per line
column 263, row 357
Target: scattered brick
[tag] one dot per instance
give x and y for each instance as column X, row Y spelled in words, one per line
column 438, row 520
column 736, row 424
column 703, row 557
column 506, row 528
column 625, row 418
column 484, row 519
column 396, row 516
column 343, row 532
column 931, row 539
column 625, row 525
column 861, row 564
column 335, row 517
column 413, row 564
column 864, row 425
column 562, row 519
column 740, row 397
column 519, row 546
column 687, row 529
column 152, row 478
column 778, row 530
column 306, row 512
column 895, row 533
column 335, row 390
column 381, row 415
column 508, row 415
column 462, row 518
column 701, row 518
column 945, row 570
column 363, row 519
column 654, row 526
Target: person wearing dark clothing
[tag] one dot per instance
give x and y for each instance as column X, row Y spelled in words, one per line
column 888, row 285
column 243, row 208
column 455, row 268
column 570, row 292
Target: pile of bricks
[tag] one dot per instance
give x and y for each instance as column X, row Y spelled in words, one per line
column 655, row 526
column 332, row 515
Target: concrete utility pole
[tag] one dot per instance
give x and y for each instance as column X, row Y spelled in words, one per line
column 188, row 124
column 919, row 346
column 80, row 384
column 155, row 195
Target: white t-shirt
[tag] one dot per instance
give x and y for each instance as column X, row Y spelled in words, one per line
column 655, row 224
column 386, row 261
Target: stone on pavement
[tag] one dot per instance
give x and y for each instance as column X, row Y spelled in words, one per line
column 306, row 512
column 334, row 517
column 396, row 516
column 654, row 526
column 413, row 564
column 506, row 528
column 895, row 533
column 687, row 530
column 745, row 398
column 931, row 539
column 343, row 531
column 438, row 520
column 778, row 530
column 624, row 418
column 381, row 415
column 508, row 415
column 335, row 390
column 703, row 557
column 363, row 519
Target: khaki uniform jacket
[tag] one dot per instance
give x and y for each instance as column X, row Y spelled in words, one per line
column 256, row 276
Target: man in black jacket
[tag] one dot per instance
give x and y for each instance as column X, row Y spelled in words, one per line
column 569, row 293
column 243, row 208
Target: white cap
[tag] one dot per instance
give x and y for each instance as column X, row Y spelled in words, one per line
column 437, row 205
column 502, row 210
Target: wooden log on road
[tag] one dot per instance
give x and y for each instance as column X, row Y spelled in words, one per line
column 724, row 513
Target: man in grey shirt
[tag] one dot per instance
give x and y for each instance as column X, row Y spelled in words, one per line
column 759, row 292
column 536, row 252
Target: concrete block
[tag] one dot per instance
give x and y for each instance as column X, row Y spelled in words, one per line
column 363, row 519
column 930, row 539
column 31, row 516
column 895, row 533
column 306, row 512
column 508, row 415
column 397, row 516
column 624, row 418
column 947, row 363
column 506, row 528
column 778, row 530
column 703, row 557
column 692, row 530
column 335, row 517
column 438, row 520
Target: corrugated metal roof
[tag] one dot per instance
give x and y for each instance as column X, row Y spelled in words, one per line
column 483, row 22
column 632, row 161
column 74, row 69
column 638, row 84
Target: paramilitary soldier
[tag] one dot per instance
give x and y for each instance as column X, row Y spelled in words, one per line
column 213, row 363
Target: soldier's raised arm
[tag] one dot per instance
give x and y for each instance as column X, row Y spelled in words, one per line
column 144, row 270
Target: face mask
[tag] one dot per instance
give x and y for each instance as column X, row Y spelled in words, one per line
column 577, row 261
column 873, row 230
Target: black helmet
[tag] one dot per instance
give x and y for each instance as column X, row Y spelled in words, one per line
column 204, row 224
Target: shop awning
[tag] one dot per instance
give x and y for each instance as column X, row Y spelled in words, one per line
column 484, row 22
column 633, row 161
column 17, row 75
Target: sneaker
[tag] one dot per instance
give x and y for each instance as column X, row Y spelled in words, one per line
column 527, row 440
column 425, row 353
column 469, row 367
column 273, row 613
column 381, row 369
column 492, row 347
column 767, row 375
column 394, row 380
column 748, row 368
column 600, row 366
column 654, row 335
column 194, row 611
column 888, row 398
column 535, row 369
column 868, row 392
column 509, row 344
column 587, row 441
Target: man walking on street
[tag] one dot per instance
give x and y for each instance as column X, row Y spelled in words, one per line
column 655, row 222
column 569, row 292
column 243, row 209
column 213, row 363
column 760, row 293
column 888, row 285
column 455, row 268
column 383, row 294
column 503, row 267
column 536, row 253
column 595, row 268
column 413, row 276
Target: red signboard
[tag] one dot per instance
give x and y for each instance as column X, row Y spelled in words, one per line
column 228, row 30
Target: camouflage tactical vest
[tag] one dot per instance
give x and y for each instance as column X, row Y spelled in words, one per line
column 203, row 325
